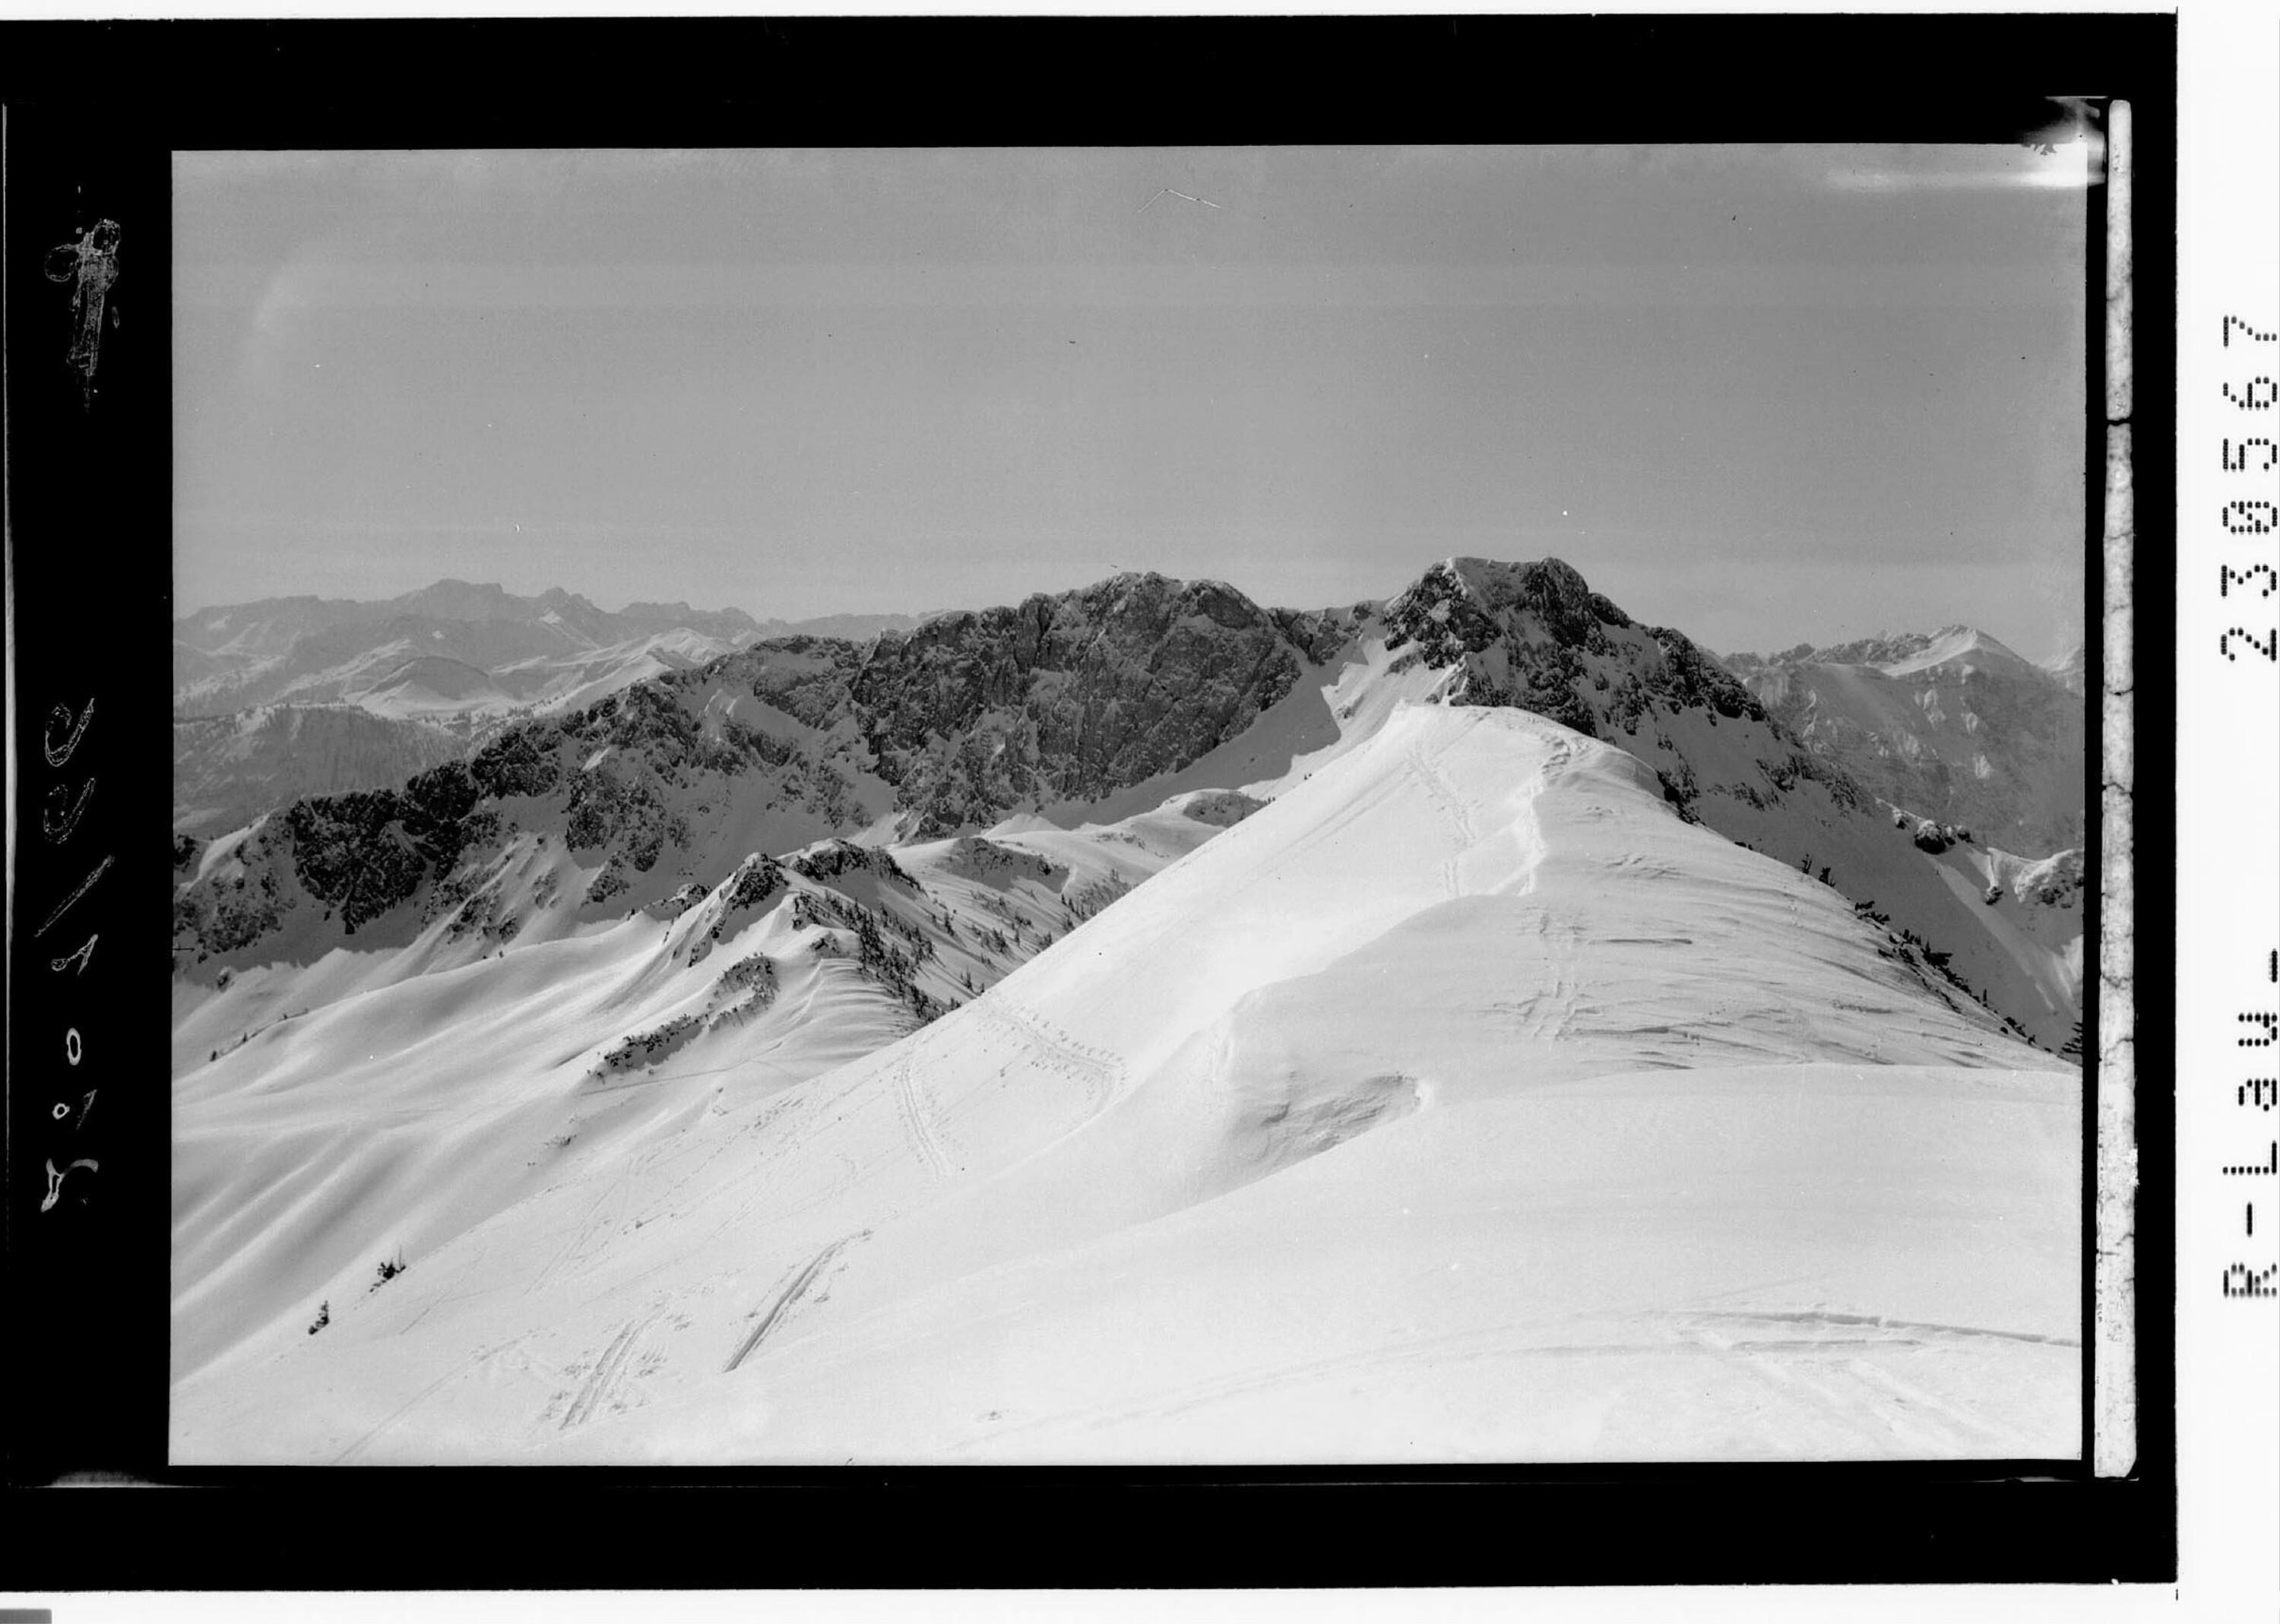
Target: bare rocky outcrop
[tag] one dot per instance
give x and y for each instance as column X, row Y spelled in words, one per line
column 1070, row 697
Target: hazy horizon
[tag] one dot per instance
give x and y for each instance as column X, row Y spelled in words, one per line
column 1798, row 395
column 615, row 606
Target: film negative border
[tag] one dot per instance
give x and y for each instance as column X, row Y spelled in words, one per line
column 93, row 1378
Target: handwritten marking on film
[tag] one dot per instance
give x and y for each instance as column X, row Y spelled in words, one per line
column 89, row 265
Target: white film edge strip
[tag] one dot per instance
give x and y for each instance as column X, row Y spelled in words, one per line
column 2113, row 1398
column 2227, row 852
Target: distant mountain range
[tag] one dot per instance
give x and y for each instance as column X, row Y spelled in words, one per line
column 453, row 656
column 556, row 648
column 1952, row 725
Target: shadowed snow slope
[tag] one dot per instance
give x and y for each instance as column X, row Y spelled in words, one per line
column 1463, row 1102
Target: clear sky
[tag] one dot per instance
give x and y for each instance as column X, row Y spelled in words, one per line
column 1765, row 396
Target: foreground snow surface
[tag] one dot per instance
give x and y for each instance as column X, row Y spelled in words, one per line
column 1461, row 1104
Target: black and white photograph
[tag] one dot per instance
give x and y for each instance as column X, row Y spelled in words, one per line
column 994, row 815
column 1341, row 807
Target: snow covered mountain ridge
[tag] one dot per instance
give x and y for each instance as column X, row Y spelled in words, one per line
column 1132, row 1024
column 1086, row 705
column 1461, row 1102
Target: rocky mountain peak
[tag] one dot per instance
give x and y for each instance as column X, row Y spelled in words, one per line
column 452, row 599
column 1070, row 696
column 1146, row 601
column 560, row 601
column 1473, row 603
column 1554, row 589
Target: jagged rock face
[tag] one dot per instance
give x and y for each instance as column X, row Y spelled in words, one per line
column 1982, row 738
column 618, row 783
column 1063, row 698
column 1071, row 697
column 987, row 860
column 233, row 910
column 966, row 717
column 844, row 856
column 1536, row 637
column 1475, row 600
column 1221, row 808
column 808, row 678
column 2054, row 882
column 366, row 851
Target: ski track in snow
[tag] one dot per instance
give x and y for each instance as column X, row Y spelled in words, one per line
column 1545, row 1012
column 793, row 1153
column 453, row 1375
column 1450, row 806
column 443, row 1300
column 1880, row 1322
column 790, row 1297
column 595, row 1229
column 918, row 1127
column 1917, row 1417
column 1964, row 1432
column 1825, row 1373
column 1100, row 1072
column 605, row 1381
column 1788, row 1379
